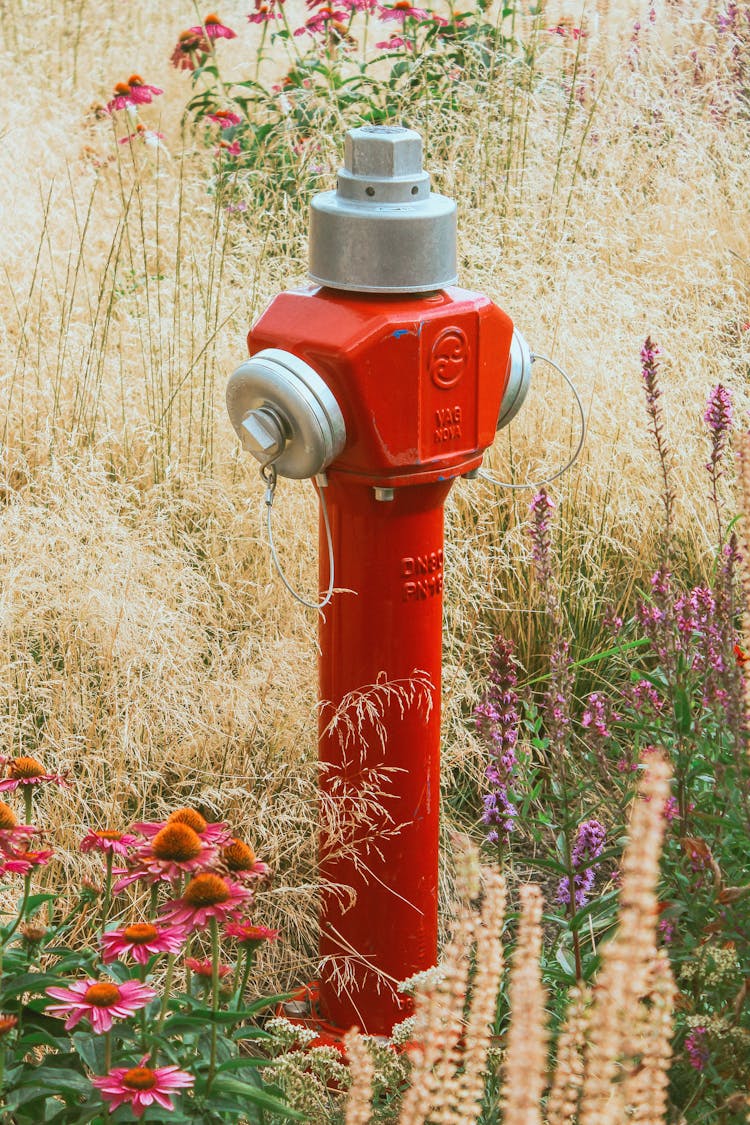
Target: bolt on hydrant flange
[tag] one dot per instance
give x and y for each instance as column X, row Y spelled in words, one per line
column 394, row 383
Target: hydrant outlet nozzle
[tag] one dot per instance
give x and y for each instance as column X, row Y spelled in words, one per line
column 519, row 379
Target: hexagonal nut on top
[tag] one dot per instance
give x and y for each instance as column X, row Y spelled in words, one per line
column 383, row 152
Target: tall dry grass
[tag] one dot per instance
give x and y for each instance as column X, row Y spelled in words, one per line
column 145, row 643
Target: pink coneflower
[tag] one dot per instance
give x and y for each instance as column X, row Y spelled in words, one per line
column 395, row 43
column 99, row 1002
column 403, row 10
column 148, row 137
column 11, row 832
column 24, row 862
column 206, row 968
column 214, row 29
column 175, row 850
column 140, row 92
column 108, row 841
column 247, row 934
column 241, row 862
column 263, row 14
column 27, row 771
column 207, row 896
column 141, row 940
column 188, row 45
column 321, row 20
column 141, row 1086
column 217, row 833
column 226, row 118
column 228, row 149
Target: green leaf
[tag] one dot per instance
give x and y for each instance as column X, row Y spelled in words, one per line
column 565, row 959
column 228, row 1085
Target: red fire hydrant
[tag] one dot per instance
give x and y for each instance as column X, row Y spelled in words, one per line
column 385, row 383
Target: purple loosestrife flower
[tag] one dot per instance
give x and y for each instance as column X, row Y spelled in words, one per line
column 497, row 720
column 589, row 845
column 650, row 376
column 596, row 718
column 697, row 1048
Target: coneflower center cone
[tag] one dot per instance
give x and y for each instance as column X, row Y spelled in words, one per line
column 190, row 817
column 25, row 767
column 238, row 856
column 8, row 818
column 206, row 890
column 176, row 842
column 140, row 932
column 102, row 995
column 139, row 1078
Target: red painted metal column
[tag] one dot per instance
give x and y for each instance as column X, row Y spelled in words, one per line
column 380, row 648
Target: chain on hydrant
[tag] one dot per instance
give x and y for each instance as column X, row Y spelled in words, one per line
column 385, row 383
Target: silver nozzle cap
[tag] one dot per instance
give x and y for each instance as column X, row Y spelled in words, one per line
column 382, row 230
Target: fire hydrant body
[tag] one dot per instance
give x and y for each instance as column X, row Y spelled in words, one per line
column 417, row 380
column 394, row 383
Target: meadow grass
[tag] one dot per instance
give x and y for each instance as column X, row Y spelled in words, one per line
column 147, row 646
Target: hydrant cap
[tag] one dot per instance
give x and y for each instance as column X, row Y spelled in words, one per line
column 382, row 230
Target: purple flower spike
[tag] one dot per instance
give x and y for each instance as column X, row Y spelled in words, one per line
column 589, row 845
column 497, row 722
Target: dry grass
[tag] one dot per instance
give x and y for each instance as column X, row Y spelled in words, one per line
column 145, row 644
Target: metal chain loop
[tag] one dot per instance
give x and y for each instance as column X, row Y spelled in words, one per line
column 571, row 461
column 269, row 476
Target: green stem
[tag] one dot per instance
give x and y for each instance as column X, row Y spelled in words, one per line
column 27, row 799
column 215, row 954
column 249, row 959
column 21, row 911
column 107, row 1052
column 167, row 990
column 261, row 45
column 107, row 889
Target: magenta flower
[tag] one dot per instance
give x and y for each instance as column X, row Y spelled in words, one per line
column 247, row 934
column 24, row 862
column 99, row 1002
column 206, row 968
column 148, row 137
column 141, row 941
column 403, row 10
column 241, row 863
column 211, row 833
column 140, row 92
column 207, row 896
column 134, row 92
column 226, row 118
column 188, row 45
column 395, row 43
column 320, row 20
column 225, row 148
column 173, row 852
column 264, row 11
column 697, row 1048
column 27, row 771
column 106, row 841
column 141, row 1086
column 360, row 5
column 214, row 29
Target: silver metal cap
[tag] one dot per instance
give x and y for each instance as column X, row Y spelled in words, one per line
column 519, row 379
column 383, row 230
column 284, row 414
